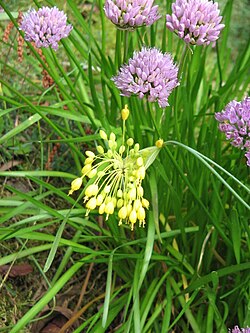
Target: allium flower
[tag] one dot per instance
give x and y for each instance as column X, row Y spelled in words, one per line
column 149, row 73
column 115, row 178
column 131, row 14
column 235, row 123
column 236, row 329
column 46, row 27
column 195, row 21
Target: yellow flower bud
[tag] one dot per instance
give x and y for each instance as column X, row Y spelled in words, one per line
column 141, row 214
column 132, row 194
column 141, row 172
column 103, row 135
column 125, row 112
column 107, row 189
column 89, row 154
column 109, row 153
column 140, row 191
column 159, row 143
column 119, row 193
column 86, row 169
column 139, row 161
column 109, row 208
column 92, row 173
column 91, row 204
column 100, row 149
column 133, row 216
column 88, row 160
column 137, row 204
column 75, row 185
column 91, row 190
column 112, row 137
column 122, row 149
column 101, row 174
column 99, row 199
column 111, row 144
column 129, row 208
column 136, row 147
column 122, row 214
column 130, row 142
column 101, row 209
column 119, row 203
column 145, row 203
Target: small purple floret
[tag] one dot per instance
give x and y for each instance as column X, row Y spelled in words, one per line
column 45, row 27
column 131, row 14
column 236, row 329
column 235, row 123
column 149, row 73
column 195, row 21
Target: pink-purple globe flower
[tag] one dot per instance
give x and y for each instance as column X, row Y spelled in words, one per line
column 236, row 329
column 131, row 14
column 148, row 73
column 45, row 27
column 235, row 123
column 195, row 21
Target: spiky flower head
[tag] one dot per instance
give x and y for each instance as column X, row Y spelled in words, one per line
column 115, row 178
column 235, row 123
column 45, row 27
column 236, row 329
column 131, row 14
column 148, row 73
column 195, row 21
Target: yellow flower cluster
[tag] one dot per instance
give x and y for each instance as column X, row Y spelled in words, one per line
column 115, row 178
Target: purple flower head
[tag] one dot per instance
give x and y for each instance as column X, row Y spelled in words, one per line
column 45, row 27
column 131, row 14
column 235, row 123
column 236, row 329
column 195, row 21
column 149, row 73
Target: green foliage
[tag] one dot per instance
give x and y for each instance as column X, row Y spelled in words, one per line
column 188, row 270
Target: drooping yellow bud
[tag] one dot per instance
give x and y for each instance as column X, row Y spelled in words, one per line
column 141, row 214
column 139, row 161
column 92, row 173
column 125, row 112
column 75, row 185
column 131, row 194
column 141, row 172
column 145, row 203
column 102, row 208
column 107, row 189
column 159, row 143
column 91, row 204
column 119, row 203
column 133, row 217
column 137, row 204
column 88, row 160
column 89, row 153
column 99, row 199
column 103, row 135
column 140, row 191
column 119, row 193
column 91, row 190
column 109, row 208
column 123, row 213
column 86, row 169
